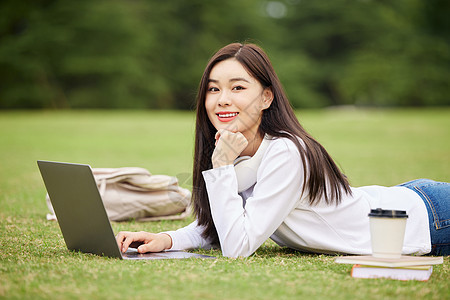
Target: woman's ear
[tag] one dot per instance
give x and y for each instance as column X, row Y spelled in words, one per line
column 267, row 97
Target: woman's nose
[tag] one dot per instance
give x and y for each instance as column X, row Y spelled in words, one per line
column 224, row 99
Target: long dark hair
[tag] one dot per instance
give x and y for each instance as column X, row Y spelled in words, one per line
column 324, row 179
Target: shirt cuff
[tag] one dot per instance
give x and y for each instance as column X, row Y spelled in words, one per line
column 212, row 175
column 179, row 240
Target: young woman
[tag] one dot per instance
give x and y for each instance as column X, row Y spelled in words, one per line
column 258, row 174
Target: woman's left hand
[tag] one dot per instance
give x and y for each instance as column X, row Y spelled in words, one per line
column 229, row 146
column 143, row 241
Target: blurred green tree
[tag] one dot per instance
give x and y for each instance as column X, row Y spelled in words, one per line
column 114, row 53
column 369, row 52
column 72, row 54
column 151, row 54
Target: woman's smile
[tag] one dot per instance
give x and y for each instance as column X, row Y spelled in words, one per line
column 224, row 116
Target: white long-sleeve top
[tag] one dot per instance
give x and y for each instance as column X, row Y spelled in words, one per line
column 274, row 207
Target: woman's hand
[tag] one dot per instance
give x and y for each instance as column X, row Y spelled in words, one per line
column 149, row 242
column 229, row 146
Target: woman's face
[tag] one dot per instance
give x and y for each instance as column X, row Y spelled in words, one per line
column 234, row 99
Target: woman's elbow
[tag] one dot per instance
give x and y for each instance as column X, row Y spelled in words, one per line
column 235, row 252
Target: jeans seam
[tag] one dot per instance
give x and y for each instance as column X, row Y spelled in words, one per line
column 422, row 192
column 430, row 203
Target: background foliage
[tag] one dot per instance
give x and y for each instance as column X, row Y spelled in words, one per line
column 150, row 54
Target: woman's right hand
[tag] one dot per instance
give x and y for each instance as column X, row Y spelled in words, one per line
column 229, row 146
column 149, row 242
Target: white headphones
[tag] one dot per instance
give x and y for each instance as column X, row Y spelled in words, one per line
column 246, row 167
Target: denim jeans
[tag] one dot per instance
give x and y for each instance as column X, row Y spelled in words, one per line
column 436, row 196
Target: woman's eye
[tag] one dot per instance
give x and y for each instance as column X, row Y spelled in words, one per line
column 213, row 89
column 238, row 88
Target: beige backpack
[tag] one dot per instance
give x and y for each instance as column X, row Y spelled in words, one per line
column 134, row 193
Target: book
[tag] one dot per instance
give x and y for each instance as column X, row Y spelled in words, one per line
column 403, row 261
column 421, row 273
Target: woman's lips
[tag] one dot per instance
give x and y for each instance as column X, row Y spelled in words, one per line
column 226, row 116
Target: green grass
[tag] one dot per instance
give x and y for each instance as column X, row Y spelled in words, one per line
column 372, row 146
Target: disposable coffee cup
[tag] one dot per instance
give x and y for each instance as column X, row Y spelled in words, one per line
column 387, row 231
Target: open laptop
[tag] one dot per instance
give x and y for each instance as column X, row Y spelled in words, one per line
column 82, row 216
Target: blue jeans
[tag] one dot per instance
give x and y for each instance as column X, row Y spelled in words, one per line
column 436, row 196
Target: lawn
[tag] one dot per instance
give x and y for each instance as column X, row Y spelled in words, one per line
column 372, row 146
